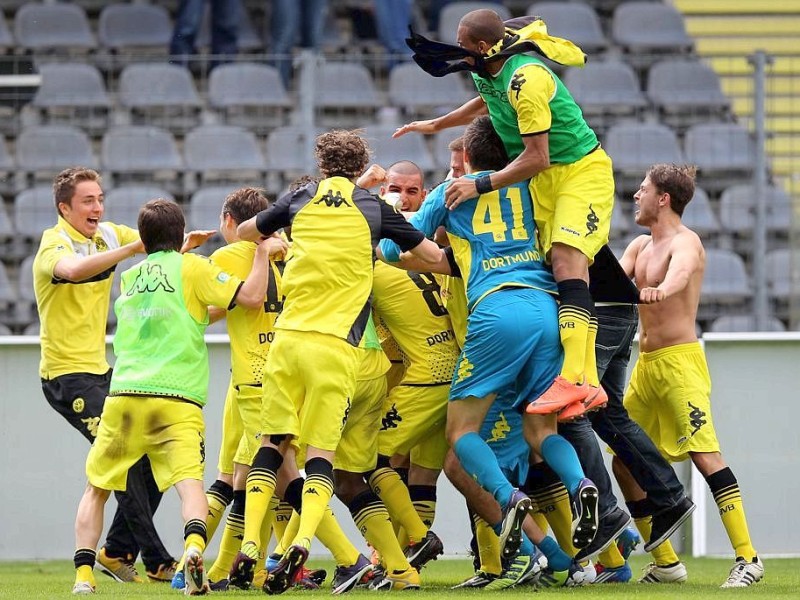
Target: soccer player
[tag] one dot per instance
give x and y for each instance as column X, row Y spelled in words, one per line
column 670, row 389
column 73, row 275
column 571, row 179
column 512, row 336
column 159, row 386
column 310, row 376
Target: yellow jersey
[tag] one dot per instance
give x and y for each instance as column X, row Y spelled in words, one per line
column 73, row 315
column 410, row 306
column 251, row 330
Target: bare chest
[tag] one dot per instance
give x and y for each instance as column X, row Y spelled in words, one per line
column 651, row 265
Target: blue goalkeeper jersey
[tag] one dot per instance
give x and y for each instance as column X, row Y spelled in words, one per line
column 493, row 237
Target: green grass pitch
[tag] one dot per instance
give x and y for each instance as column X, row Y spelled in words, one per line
column 53, row 579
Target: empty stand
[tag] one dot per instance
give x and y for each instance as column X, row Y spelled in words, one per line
column 345, row 89
column 249, row 94
column 413, row 90
column 205, row 206
column 451, row 14
column 224, row 153
column 44, row 150
column 73, row 93
column 56, row 26
column 408, row 147
column 138, row 152
column 6, row 38
column 742, row 323
column 122, row 204
column 699, row 216
column 606, row 89
column 686, row 90
column 723, row 153
column 34, row 211
column 575, row 21
column 726, row 281
column 134, row 26
column 635, row 146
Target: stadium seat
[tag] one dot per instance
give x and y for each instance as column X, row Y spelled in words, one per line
column 574, row 21
column 4, row 330
column 737, row 210
column 135, row 25
column 7, row 295
column 205, row 206
column 608, row 88
column 441, row 152
column 413, row 90
column 224, row 152
column 123, row 203
column 25, row 307
column 75, row 94
column 6, row 38
column 686, row 88
column 345, row 88
column 288, row 156
column 7, row 168
column 783, row 274
column 723, row 153
column 451, row 14
column 44, row 150
column 699, row 215
column 647, row 27
column 33, row 328
column 408, row 147
column 635, row 146
column 620, row 220
column 743, row 323
column 160, row 94
column 726, row 281
column 34, row 211
column 129, row 152
column 50, row 26
column 249, row 94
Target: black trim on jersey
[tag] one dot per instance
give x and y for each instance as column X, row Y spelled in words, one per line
column 360, row 324
column 451, row 260
column 99, row 277
column 395, row 227
column 424, row 384
column 236, row 293
column 535, row 133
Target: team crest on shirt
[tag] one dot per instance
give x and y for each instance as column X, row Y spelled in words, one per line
column 149, row 278
column 78, row 405
column 100, row 244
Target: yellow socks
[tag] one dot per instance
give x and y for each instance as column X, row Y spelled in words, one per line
column 725, row 489
column 488, row 546
column 665, row 554
column 387, row 484
column 317, row 493
column 219, row 496
column 372, row 520
column 260, row 488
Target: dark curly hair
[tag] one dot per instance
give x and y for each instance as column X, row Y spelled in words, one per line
column 341, row 153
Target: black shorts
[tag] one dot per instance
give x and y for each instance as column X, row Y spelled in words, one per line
column 79, row 398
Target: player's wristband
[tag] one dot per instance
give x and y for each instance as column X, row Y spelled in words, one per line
column 483, row 184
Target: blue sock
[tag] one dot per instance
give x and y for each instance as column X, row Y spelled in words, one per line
column 479, row 462
column 557, row 559
column 562, row 458
column 526, row 547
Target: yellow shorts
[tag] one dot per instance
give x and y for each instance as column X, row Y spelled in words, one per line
column 231, row 432
column 248, row 401
column 358, row 448
column 395, row 375
column 309, row 383
column 572, row 203
column 413, row 415
column 170, row 432
column 669, row 396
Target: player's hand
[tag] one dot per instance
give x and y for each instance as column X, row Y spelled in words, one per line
column 651, row 295
column 196, row 238
column 274, row 247
column 138, row 247
column 418, row 126
column 371, row 177
column 459, row 190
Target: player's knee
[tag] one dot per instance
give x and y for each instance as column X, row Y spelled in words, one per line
column 348, row 485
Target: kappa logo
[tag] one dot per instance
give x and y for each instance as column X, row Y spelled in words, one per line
column 312, row 491
column 202, row 449
column 149, row 279
column 255, row 490
column 92, row 423
column 591, row 221
column 696, row 419
column 334, row 200
column 391, row 419
column 500, row 429
column 516, row 84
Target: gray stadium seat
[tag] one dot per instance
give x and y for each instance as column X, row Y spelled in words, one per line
column 6, row 39
column 451, row 14
column 726, row 281
column 44, row 150
column 783, row 274
column 681, row 85
column 71, row 85
column 606, row 88
column 53, row 26
column 699, row 216
column 286, row 150
column 414, row 90
column 4, row 330
column 635, row 146
column 25, row 306
column 123, row 26
column 408, row 147
column 205, row 206
column 32, row 329
column 139, row 148
column 737, row 210
column 123, row 203
column 7, row 293
column 575, row 21
column 160, row 94
column 441, row 152
column 743, row 323
column 649, row 26
column 346, row 85
column 719, row 147
column 7, row 167
column 249, row 94
column 34, row 211
column 620, row 219
column 223, row 152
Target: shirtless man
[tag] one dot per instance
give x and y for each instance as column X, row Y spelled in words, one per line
column 670, row 388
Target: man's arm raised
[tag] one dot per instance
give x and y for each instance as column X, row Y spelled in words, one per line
column 463, row 115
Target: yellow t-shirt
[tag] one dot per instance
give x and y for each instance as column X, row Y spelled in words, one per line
column 531, row 100
column 454, row 298
column 73, row 315
column 251, row 330
column 410, row 306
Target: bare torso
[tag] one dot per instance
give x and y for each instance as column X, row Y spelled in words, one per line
column 670, row 321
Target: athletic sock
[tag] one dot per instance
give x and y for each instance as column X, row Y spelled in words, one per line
column 84, row 563
column 642, row 512
column 590, row 362
column 195, row 534
column 387, row 484
column 260, row 488
column 282, row 515
column 611, row 557
column 560, row 455
column 574, row 312
column 552, row 500
column 330, row 533
column 480, row 463
column 488, row 546
column 231, row 538
column 424, row 499
column 317, row 493
column 219, row 496
column 372, row 520
column 557, row 559
column 725, row 489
